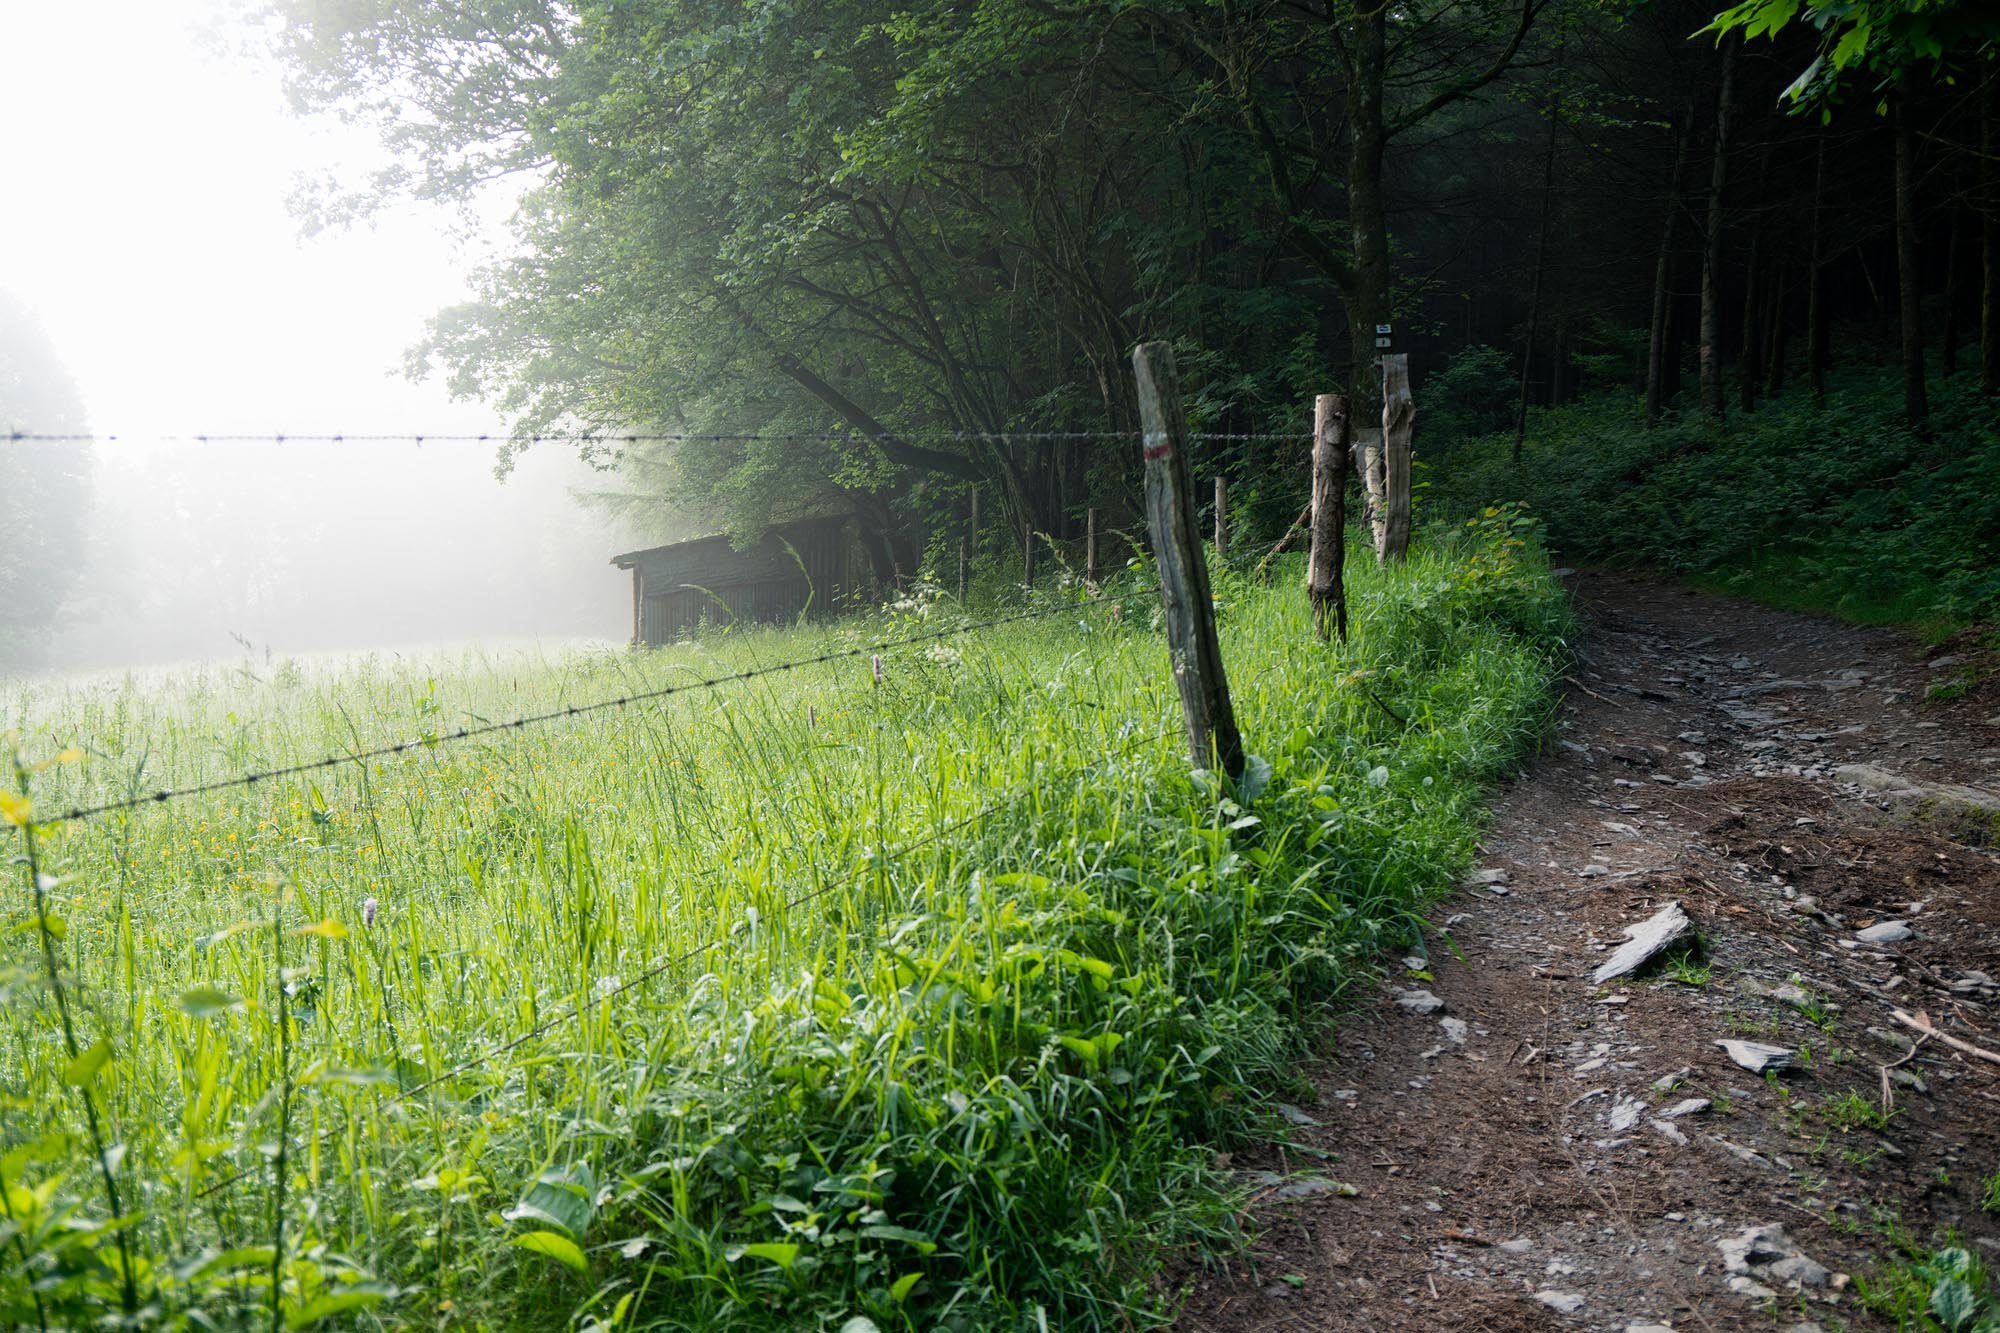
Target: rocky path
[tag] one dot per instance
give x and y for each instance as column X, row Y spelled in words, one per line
column 1517, row 1145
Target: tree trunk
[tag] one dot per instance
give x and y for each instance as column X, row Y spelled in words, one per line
column 1535, row 287
column 1752, row 370
column 1711, row 263
column 1909, row 289
column 1989, row 238
column 1779, row 328
column 1367, row 292
column 1658, row 346
column 1948, row 354
column 1815, row 282
column 1561, row 381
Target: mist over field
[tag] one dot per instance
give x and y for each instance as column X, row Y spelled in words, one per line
column 163, row 286
column 210, row 550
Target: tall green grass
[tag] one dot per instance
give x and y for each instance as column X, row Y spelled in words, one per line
column 809, row 1001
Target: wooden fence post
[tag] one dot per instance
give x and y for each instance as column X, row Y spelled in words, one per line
column 1221, row 518
column 1213, row 740
column 1092, row 576
column 1398, row 414
column 1368, row 458
column 1326, row 586
column 1028, row 552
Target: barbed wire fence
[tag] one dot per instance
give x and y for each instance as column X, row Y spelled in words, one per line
column 614, row 437
column 1163, row 432
column 31, row 824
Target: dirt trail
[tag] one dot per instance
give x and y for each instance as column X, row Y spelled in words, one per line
column 1516, row 1164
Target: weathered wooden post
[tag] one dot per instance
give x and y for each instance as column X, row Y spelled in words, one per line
column 1213, row 740
column 1398, row 416
column 1092, row 575
column 1221, row 518
column 1326, row 586
column 1374, row 500
column 1028, row 552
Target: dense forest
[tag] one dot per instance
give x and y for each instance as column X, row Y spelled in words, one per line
column 920, row 229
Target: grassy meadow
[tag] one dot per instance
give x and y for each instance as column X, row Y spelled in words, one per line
column 816, row 1000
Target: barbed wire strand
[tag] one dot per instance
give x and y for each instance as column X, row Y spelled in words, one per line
column 77, row 814
column 633, row 437
column 663, row 965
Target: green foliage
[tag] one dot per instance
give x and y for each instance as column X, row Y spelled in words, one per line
column 1851, row 1111
column 1842, row 508
column 1946, row 1291
column 1473, row 395
column 1880, row 37
column 975, row 1083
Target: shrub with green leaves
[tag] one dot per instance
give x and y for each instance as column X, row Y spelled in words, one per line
column 1841, row 507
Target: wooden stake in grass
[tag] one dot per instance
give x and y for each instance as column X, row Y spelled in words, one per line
column 1213, row 740
column 1398, row 416
column 1326, row 587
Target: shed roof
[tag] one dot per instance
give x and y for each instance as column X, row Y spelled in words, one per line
column 627, row 559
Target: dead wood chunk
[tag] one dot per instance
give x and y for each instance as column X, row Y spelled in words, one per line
column 1645, row 940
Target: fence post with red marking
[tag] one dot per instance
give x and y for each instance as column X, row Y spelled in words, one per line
column 1213, row 741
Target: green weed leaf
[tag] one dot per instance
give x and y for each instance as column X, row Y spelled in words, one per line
column 206, row 1002
column 1954, row 1305
column 559, row 1248
column 782, row 1254
column 79, row 1072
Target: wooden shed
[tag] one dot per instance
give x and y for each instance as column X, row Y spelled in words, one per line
column 675, row 588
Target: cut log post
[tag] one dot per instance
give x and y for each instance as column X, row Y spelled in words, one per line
column 1368, row 457
column 1028, row 553
column 1326, row 587
column 1398, row 418
column 1213, row 741
column 1221, row 519
column 1092, row 575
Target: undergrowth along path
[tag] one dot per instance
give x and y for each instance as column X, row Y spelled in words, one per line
column 971, row 1084
column 1532, row 1150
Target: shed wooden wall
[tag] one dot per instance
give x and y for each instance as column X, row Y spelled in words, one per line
column 679, row 586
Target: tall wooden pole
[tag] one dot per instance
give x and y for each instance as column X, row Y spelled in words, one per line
column 1398, row 421
column 1326, row 589
column 1213, row 740
column 1028, row 552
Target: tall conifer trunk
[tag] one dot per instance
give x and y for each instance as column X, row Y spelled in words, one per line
column 1712, row 404
column 1916, row 405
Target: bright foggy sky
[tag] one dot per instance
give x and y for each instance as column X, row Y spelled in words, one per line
column 144, row 170
column 146, row 174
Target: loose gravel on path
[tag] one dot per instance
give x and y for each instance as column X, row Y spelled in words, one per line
column 1535, row 1150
